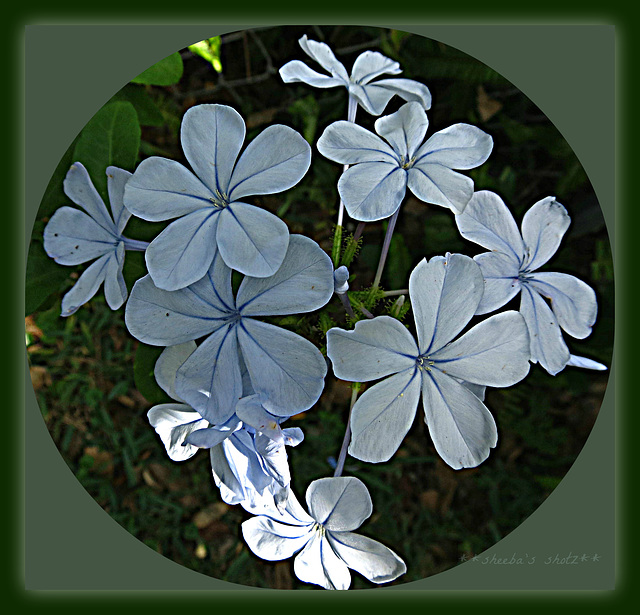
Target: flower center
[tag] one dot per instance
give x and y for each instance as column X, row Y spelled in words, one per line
column 219, row 199
column 406, row 163
column 424, row 363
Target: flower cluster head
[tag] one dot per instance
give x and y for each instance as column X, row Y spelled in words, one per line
column 286, row 370
column 512, row 267
column 211, row 215
column 385, row 164
column 247, row 452
column 445, row 293
column 373, row 96
column 323, row 538
column 73, row 237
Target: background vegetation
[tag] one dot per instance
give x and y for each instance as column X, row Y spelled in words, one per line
column 93, row 380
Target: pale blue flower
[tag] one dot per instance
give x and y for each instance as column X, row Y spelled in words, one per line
column 341, row 280
column 73, row 237
column 385, row 164
column 372, row 96
column 449, row 375
column 323, row 538
column 212, row 216
column 248, row 457
column 286, row 371
column 511, row 268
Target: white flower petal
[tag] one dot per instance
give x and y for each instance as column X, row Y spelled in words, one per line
column 462, row 429
column 349, row 143
column 405, row 129
column 572, row 301
column 371, row 64
column 116, row 181
column 445, row 293
column 80, row 189
column 439, row 185
column 374, row 349
column 296, row 71
column 370, row 558
column 501, row 280
column 487, row 221
column 86, row 286
column 543, row 227
column 339, row 503
column 272, row 540
column 168, row 364
column 318, row 564
column 322, row 54
column 460, row 146
column 173, row 423
column 382, row 416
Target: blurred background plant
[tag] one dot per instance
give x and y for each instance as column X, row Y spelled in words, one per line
column 94, row 382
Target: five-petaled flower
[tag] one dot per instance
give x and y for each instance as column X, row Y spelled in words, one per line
column 286, row 370
column 511, row 268
column 373, row 96
column 383, row 168
column 248, row 457
column 323, row 538
column 445, row 293
column 73, row 237
column 211, row 215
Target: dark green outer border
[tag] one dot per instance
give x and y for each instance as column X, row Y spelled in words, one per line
column 57, row 507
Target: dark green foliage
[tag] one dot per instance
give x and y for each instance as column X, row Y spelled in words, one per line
column 94, row 383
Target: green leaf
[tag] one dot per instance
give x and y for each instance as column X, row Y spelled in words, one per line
column 44, row 277
column 167, row 71
column 143, row 366
column 209, row 49
column 111, row 137
column 148, row 112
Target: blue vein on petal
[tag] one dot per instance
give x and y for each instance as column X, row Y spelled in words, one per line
column 253, row 339
column 406, row 386
column 273, row 166
column 535, row 318
column 213, row 213
column 271, row 288
column 230, row 209
column 355, row 209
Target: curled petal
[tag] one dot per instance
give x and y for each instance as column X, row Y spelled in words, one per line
column 173, row 423
column 382, row 416
column 462, row 429
column 488, row 222
column 372, row 190
column 251, row 240
column 585, row 363
column 547, row 346
column 370, row 558
column 211, row 137
column 408, row 89
column 543, row 227
column 374, row 349
column 303, row 283
column 572, row 301
column 183, row 252
column 340, row 504
column 296, row 71
column 322, row 54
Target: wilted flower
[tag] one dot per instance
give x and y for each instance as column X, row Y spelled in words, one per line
column 324, row 537
column 375, row 185
column 372, row 96
column 445, row 293
column 211, row 216
column 511, row 267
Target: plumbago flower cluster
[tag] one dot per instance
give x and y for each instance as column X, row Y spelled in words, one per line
column 236, row 378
